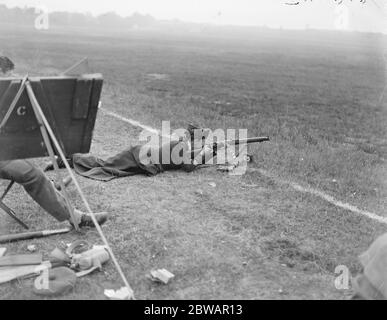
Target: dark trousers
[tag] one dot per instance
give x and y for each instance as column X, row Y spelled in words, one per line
column 37, row 185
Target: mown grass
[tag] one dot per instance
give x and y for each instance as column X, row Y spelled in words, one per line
column 321, row 104
column 318, row 97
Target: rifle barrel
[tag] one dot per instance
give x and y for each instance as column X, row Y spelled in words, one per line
column 248, row 140
column 223, row 144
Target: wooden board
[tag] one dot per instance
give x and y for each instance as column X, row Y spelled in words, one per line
column 70, row 105
column 21, row 260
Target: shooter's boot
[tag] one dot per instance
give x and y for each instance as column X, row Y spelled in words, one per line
column 85, row 220
column 61, row 165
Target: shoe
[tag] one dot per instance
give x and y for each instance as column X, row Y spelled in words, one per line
column 61, row 165
column 86, row 220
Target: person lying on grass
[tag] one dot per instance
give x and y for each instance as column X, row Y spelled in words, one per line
column 142, row 159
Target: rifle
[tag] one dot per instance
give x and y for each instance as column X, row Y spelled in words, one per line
column 223, row 144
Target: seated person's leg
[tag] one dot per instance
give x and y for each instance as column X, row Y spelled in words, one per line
column 38, row 186
column 43, row 192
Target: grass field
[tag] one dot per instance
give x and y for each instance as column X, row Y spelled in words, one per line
column 318, row 95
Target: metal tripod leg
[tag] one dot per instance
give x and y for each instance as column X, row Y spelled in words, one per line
column 12, row 214
column 10, row 185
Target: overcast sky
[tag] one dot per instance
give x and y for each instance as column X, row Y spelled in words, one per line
column 325, row 14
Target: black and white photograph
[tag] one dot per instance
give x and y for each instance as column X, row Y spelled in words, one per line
column 211, row 152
